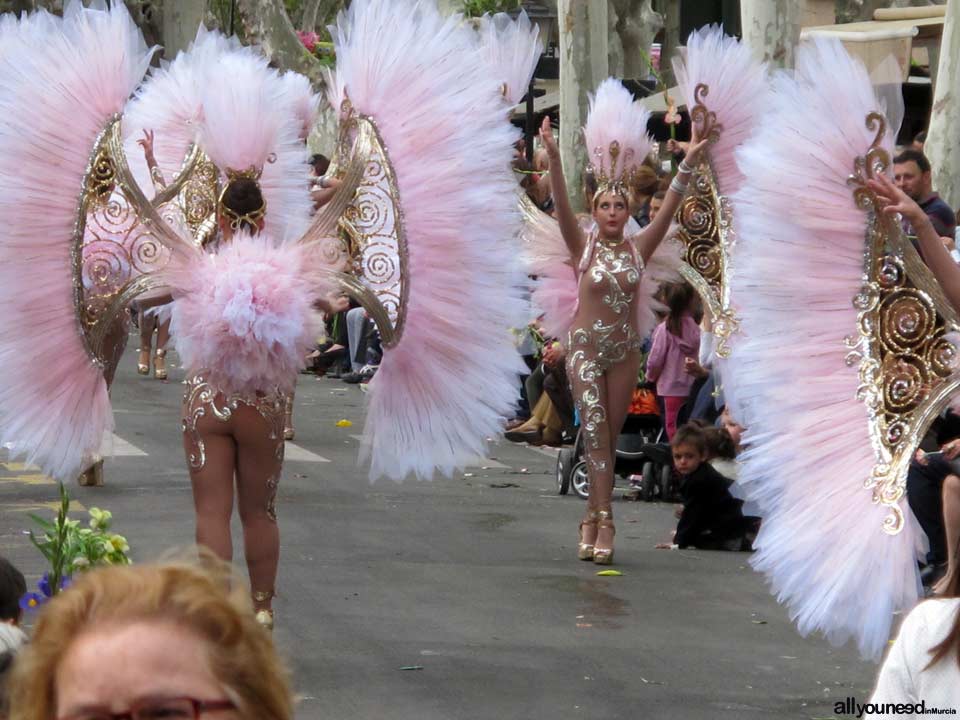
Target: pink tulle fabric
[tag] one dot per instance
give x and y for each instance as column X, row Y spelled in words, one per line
column 60, row 82
column 798, row 264
column 243, row 314
column 447, row 385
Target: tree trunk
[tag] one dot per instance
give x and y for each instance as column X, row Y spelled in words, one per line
column 636, row 24
column 772, row 29
column 181, row 18
column 942, row 146
column 584, row 64
column 671, row 41
column 267, row 23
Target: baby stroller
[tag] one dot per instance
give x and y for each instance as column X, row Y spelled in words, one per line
column 640, row 433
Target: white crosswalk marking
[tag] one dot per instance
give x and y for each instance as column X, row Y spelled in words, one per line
column 295, row 453
column 116, row 446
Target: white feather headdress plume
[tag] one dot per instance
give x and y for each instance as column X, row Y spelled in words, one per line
column 616, row 137
column 511, row 49
column 247, row 124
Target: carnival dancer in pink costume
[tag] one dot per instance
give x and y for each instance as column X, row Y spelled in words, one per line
column 242, row 313
column 604, row 339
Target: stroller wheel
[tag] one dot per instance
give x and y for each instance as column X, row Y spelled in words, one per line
column 580, row 480
column 666, row 484
column 565, row 462
column 649, row 486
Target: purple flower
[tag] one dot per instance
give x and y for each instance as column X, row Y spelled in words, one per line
column 31, row 601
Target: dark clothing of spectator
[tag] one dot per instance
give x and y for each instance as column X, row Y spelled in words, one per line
column 712, row 519
column 941, row 216
column 925, row 486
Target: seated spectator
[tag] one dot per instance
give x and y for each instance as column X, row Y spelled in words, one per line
column 933, row 492
column 645, row 185
column 656, row 202
column 12, row 588
column 911, row 172
column 150, row 641
column 711, row 518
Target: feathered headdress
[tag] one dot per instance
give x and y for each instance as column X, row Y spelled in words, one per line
column 616, row 137
column 511, row 49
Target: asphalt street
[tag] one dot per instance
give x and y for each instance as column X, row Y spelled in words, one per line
column 462, row 598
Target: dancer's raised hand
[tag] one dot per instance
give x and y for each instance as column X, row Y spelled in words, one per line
column 697, row 144
column 893, row 200
column 548, row 139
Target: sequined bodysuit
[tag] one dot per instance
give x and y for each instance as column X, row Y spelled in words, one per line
column 603, row 334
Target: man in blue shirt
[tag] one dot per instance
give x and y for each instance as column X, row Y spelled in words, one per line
column 911, row 172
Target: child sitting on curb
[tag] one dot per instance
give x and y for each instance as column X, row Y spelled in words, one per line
column 711, row 518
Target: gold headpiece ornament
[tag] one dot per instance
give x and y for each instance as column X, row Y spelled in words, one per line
column 251, row 217
column 612, row 178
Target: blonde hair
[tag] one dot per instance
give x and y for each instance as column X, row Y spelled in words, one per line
column 241, row 654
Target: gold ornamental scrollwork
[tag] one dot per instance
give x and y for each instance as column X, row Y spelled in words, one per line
column 361, row 230
column 706, row 232
column 905, row 362
column 119, row 240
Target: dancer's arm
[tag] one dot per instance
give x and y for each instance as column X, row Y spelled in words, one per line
column 652, row 235
column 569, row 227
column 146, row 142
column 893, row 200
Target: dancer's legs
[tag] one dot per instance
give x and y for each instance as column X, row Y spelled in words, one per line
column 163, row 335
column 147, row 324
column 951, row 524
column 621, row 379
column 213, row 485
column 259, row 462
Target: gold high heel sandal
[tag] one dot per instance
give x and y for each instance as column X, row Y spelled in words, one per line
column 264, row 617
column 92, row 476
column 585, row 550
column 604, row 556
column 159, row 364
column 143, row 362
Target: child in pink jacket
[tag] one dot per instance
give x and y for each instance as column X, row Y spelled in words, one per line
column 674, row 340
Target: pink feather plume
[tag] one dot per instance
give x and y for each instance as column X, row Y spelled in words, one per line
column 511, row 48
column 615, row 117
column 244, row 313
column 60, row 82
column 448, row 383
column 797, row 266
column 737, row 94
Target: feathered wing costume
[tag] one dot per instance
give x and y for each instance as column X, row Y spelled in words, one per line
column 433, row 233
column 444, row 291
column 725, row 89
column 843, row 359
column 58, row 275
column 613, row 117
